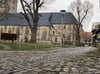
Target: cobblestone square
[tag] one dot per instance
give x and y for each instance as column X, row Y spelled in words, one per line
column 48, row 62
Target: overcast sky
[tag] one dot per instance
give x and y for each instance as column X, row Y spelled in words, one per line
column 58, row 5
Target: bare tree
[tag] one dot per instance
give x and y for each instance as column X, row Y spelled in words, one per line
column 31, row 10
column 83, row 12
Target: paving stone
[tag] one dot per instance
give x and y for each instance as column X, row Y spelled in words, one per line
column 48, row 69
column 47, row 62
column 74, row 70
column 66, row 69
column 47, row 72
column 57, row 69
column 98, row 72
column 64, row 73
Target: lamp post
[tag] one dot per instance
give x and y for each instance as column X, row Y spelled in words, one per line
column 62, row 40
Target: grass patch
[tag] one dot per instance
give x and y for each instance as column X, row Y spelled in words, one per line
column 94, row 53
column 77, row 58
column 28, row 46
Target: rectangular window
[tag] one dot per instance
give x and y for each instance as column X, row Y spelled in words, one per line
column 56, row 39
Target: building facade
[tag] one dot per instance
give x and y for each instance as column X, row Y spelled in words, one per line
column 96, row 34
column 50, row 28
column 44, row 33
column 67, row 30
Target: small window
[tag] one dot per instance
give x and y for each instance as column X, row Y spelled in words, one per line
column 68, row 37
column 53, row 32
column 1, row 29
column 44, row 34
column 56, row 39
column 9, row 30
column 64, row 27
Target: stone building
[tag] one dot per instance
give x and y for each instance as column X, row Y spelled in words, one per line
column 50, row 27
column 95, row 26
column 96, row 34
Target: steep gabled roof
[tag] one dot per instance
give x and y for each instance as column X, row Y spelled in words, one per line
column 46, row 19
column 68, row 18
column 12, row 19
column 16, row 19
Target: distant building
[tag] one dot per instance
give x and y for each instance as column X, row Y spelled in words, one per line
column 96, row 34
column 87, row 36
column 95, row 25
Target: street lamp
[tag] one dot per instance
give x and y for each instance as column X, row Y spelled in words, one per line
column 62, row 13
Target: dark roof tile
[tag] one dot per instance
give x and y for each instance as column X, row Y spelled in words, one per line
column 46, row 19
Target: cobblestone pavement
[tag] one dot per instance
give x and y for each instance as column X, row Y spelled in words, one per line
column 48, row 62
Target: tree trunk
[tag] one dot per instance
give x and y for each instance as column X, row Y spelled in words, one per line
column 78, row 36
column 34, row 35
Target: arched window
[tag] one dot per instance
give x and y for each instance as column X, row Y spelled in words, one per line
column 44, row 34
column 53, row 32
column 9, row 30
column 56, row 39
column 5, row 27
column 1, row 29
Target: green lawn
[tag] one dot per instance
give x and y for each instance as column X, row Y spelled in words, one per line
column 28, row 46
column 94, row 53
